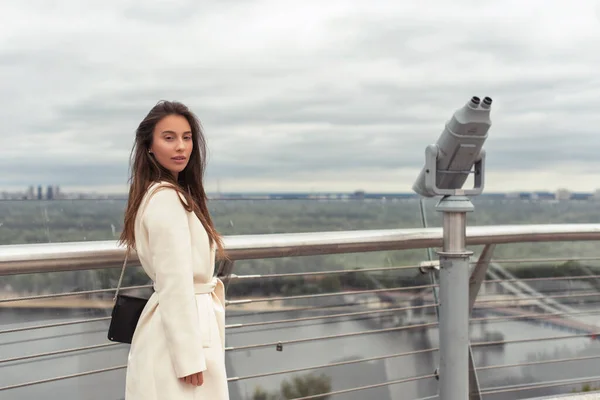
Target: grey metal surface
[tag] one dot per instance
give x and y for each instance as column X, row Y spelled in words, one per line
column 454, row 236
column 31, row 258
column 454, row 302
column 477, row 277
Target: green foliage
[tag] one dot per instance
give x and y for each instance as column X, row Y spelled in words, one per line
column 261, row 394
column 586, row 388
column 86, row 220
column 568, row 268
column 299, row 386
column 307, row 385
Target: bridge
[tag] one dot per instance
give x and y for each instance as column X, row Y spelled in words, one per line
column 352, row 341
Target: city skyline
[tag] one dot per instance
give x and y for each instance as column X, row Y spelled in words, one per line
column 52, row 192
column 302, row 96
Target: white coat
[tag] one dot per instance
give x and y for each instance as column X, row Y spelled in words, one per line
column 182, row 328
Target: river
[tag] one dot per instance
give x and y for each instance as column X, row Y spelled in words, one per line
column 241, row 363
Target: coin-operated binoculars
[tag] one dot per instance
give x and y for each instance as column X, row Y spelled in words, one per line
column 448, row 163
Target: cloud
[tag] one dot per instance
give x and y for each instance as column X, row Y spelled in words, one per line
column 292, row 95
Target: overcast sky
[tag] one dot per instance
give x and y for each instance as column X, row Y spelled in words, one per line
column 321, row 95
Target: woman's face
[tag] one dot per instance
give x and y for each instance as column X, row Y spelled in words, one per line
column 172, row 143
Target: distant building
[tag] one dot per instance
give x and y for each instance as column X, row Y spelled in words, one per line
column 581, row 196
column 50, row 193
column 545, row 196
column 519, row 196
column 39, row 192
column 563, row 194
column 359, row 194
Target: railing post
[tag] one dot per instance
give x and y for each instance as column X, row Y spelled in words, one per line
column 454, row 299
column 475, row 281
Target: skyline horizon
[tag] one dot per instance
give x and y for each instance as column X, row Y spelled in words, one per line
column 104, row 190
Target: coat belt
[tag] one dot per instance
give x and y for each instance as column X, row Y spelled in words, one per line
column 205, row 288
column 202, row 288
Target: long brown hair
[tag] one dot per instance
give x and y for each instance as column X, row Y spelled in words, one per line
column 145, row 170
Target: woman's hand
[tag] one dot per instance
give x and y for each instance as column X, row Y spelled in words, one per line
column 194, row 379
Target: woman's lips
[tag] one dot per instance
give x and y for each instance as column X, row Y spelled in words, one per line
column 179, row 159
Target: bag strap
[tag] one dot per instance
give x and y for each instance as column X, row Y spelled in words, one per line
column 121, row 277
column 151, row 191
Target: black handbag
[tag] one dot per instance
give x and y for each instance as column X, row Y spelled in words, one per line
column 125, row 313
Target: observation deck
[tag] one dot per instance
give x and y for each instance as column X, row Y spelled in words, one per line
column 351, row 332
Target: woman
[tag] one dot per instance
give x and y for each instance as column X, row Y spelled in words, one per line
column 177, row 351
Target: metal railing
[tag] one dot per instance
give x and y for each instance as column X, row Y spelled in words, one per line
column 383, row 311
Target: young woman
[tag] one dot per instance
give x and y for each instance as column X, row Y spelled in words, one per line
column 177, row 351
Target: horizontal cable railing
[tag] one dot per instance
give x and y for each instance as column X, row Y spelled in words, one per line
column 376, row 312
column 77, row 293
